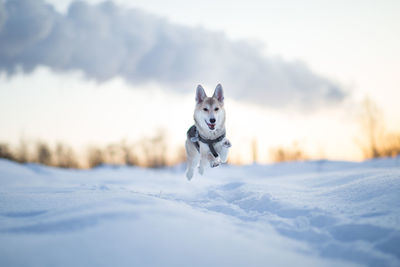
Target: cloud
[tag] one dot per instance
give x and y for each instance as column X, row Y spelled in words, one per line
column 105, row 41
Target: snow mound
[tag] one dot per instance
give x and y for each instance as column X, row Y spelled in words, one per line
column 319, row 213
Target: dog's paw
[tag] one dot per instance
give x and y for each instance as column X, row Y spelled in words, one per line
column 189, row 175
column 215, row 163
column 227, row 144
column 201, row 170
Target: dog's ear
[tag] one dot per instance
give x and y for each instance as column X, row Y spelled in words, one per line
column 200, row 94
column 219, row 93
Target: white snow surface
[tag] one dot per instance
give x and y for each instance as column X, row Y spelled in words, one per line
column 318, row 213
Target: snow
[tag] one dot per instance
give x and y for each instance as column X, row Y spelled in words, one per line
column 319, row 213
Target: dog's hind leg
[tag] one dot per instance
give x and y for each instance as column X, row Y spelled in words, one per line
column 191, row 165
column 189, row 173
column 193, row 158
column 202, row 165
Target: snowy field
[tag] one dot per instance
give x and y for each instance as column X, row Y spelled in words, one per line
column 292, row 214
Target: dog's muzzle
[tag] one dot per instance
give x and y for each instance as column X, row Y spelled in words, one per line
column 211, row 125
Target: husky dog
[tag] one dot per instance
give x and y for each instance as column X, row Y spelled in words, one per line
column 206, row 141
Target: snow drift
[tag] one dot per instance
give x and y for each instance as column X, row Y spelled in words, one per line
column 305, row 214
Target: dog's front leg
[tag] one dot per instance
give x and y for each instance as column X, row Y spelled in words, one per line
column 214, row 162
column 224, row 151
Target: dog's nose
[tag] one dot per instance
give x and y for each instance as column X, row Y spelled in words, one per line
column 212, row 120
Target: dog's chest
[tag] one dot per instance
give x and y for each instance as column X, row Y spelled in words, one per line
column 205, row 149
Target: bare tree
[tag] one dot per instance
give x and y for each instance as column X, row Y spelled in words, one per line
column 43, row 154
column 127, row 152
column 254, row 150
column 377, row 142
column 180, row 155
column 65, row 156
column 372, row 124
column 155, row 150
column 95, row 157
column 22, row 152
column 391, row 145
column 112, row 154
column 5, row 152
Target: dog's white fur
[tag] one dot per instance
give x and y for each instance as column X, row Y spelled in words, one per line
column 209, row 117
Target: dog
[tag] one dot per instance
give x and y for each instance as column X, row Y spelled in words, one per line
column 206, row 141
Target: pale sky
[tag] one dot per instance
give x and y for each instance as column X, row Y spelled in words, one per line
column 354, row 43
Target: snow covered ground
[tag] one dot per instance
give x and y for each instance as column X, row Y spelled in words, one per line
column 291, row 214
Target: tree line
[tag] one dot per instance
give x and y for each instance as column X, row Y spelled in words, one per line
column 152, row 152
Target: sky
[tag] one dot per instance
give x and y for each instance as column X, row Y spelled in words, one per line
column 292, row 71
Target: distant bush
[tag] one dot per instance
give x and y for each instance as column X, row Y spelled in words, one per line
column 390, row 146
column 5, row 152
column 152, row 152
column 22, row 152
column 64, row 157
column 128, row 156
column 43, row 154
column 292, row 153
column 95, row 157
column 115, row 154
column 376, row 142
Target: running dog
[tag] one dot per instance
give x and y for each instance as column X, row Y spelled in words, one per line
column 206, row 141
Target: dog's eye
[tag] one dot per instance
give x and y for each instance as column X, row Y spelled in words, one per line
column 216, row 109
column 205, row 109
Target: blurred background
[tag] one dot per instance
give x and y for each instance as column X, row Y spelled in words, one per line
column 84, row 83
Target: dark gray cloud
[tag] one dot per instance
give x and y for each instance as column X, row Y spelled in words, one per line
column 105, row 41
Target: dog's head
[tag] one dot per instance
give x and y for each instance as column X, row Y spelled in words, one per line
column 210, row 112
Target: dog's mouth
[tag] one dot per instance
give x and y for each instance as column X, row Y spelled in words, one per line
column 211, row 125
